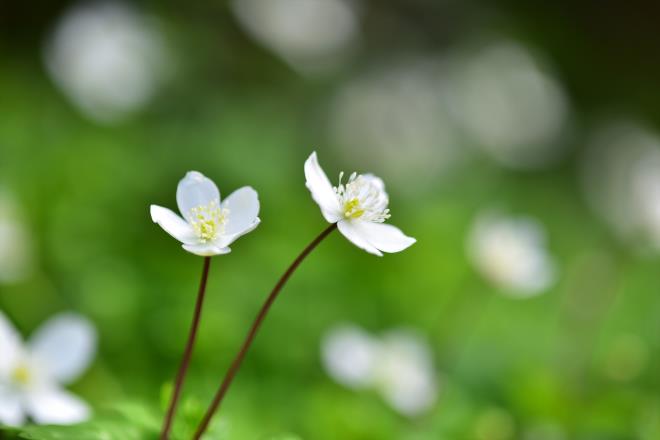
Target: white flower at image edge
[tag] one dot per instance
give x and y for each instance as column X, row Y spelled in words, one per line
column 32, row 374
column 208, row 226
column 359, row 207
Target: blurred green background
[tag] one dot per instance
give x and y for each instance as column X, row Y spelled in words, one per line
column 546, row 110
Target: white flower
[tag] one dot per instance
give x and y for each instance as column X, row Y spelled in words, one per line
column 107, row 58
column 621, row 177
column 398, row 114
column 349, row 356
column 312, row 36
column 399, row 366
column 496, row 87
column 209, row 226
column 359, row 207
column 511, row 253
column 32, row 375
column 405, row 375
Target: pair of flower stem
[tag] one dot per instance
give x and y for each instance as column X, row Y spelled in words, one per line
column 357, row 208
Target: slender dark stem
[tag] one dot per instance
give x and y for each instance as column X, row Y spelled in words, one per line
column 185, row 360
column 236, row 364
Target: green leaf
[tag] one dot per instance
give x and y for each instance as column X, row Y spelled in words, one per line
column 129, row 421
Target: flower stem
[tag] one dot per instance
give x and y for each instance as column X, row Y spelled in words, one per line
column 236, row 364
column 185, row 360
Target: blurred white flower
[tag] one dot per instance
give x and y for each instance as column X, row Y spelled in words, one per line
column 509, row 106
column 405, row 375
column 107, row 58
column 32, row 375
column 359, row 207
column 511, row 253
column 349, row 356
column 208, row 226
column 312, row 36
column 399, row 366
column 621, row 176
column 398, row 115
column 16, row 257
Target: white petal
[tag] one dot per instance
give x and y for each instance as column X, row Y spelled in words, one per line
column 243, row 206
column 206, row 249
column 10, row 345
column 11, row 410
column 322, row 193
column 225, row 240
column 56, row 407
column 195, row 190
column 64, row 346
column 386, row 238
column 349, row 230
column 375, row 180
column 173, row 224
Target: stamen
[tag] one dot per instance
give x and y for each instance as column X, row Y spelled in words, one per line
column 361, row 198
column 208, row 221
column 21, row 375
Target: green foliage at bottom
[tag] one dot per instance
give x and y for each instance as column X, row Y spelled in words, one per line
column 135, row 421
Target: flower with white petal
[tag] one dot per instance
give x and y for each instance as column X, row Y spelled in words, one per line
column 621, row 178
column 349, row 356
column 312, row 36
column 405, row 375
column 32, row 374
column 496, row 87
column 107, row 58
column 399, row 366
column 208, row 225
column 398, row 114
column 358, row 207
column 511, row 252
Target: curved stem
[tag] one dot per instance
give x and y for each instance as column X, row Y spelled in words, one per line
column 187, row 353
column 236, row 364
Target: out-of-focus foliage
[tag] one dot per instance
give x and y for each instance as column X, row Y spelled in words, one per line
column 576, row 361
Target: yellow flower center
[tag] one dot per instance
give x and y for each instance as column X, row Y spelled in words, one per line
column 208, row 221
column 21, row 375
column 352, row 208
column 363, row 197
